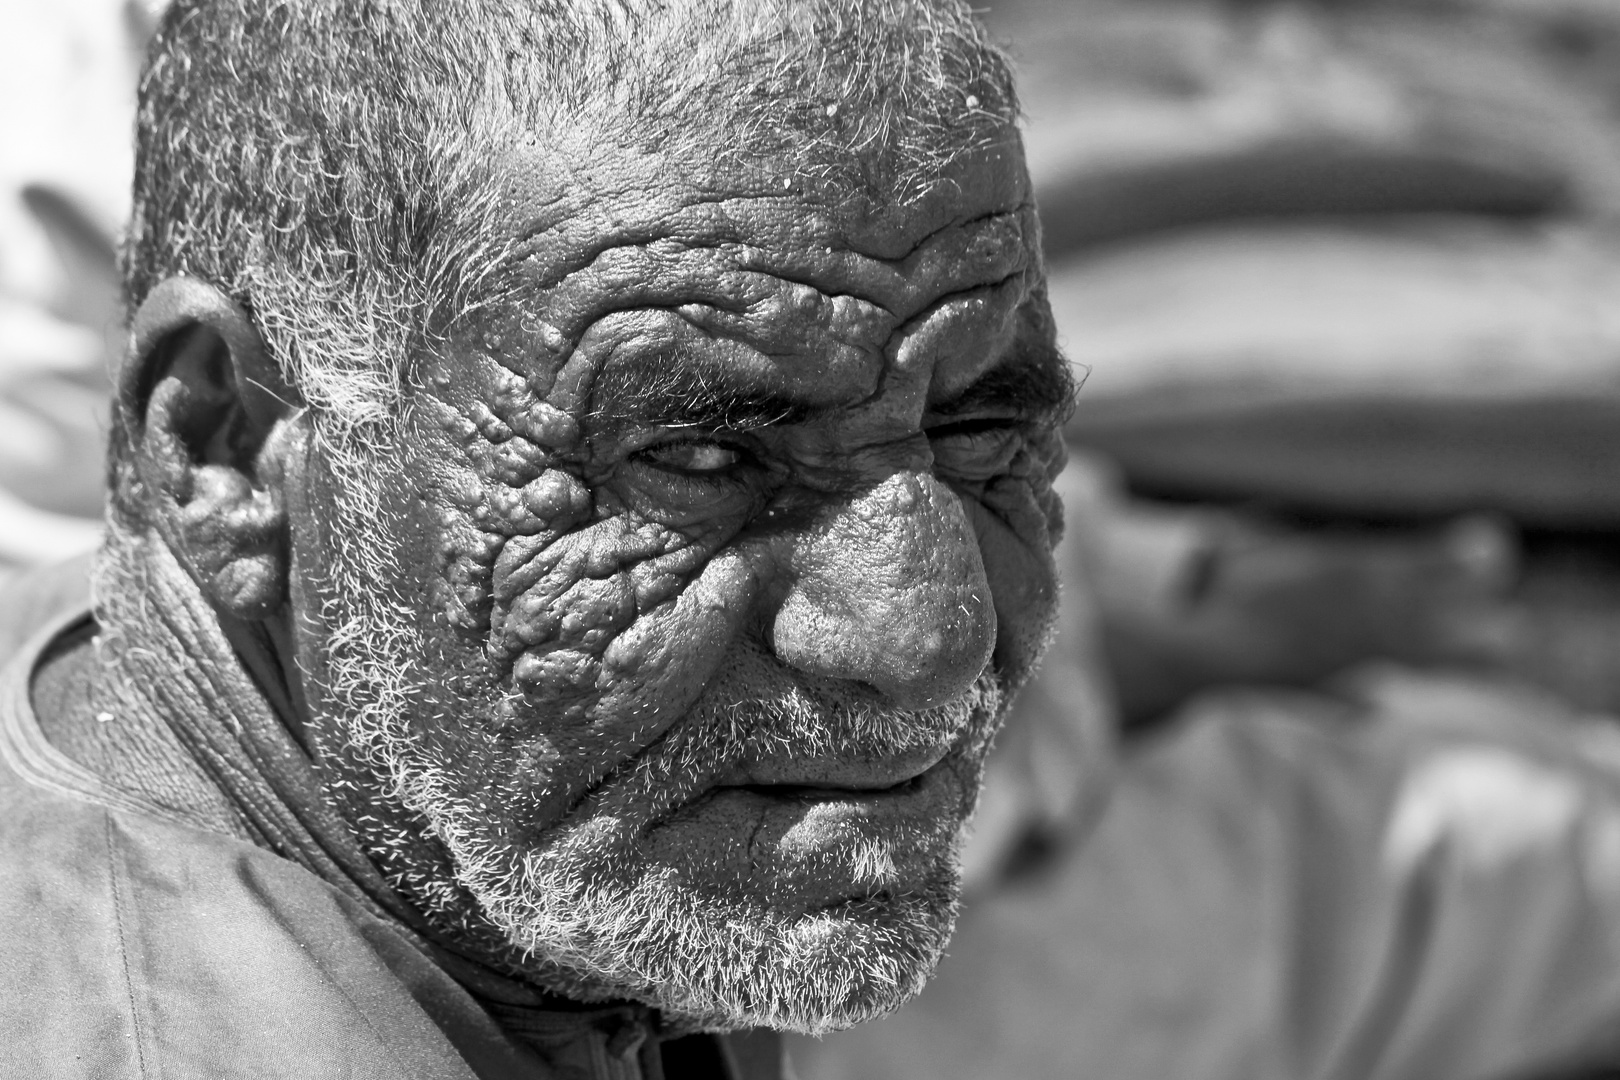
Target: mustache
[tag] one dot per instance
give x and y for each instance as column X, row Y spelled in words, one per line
column 801, row 723
column 734, row 723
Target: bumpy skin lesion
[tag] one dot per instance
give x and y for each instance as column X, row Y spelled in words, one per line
column 724, row 445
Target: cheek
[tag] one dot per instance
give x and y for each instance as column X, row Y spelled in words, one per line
column 561, row 602
column 653, row 672
column 597, row 641
column 613, row 628
column 544, row 597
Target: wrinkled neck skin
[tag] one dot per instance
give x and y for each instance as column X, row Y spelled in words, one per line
column 104, row 714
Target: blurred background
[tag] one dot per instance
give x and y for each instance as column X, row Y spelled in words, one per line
column 67, row 95
column 1321, row 779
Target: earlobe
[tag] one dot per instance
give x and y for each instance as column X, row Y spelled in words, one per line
column 209, row 422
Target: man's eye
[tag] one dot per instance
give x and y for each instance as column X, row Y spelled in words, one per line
column 693, row 456
column 975, row 450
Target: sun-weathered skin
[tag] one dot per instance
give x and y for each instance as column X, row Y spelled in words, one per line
column 727, row 438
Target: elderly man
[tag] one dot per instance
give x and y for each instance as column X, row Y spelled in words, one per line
column 580, row 503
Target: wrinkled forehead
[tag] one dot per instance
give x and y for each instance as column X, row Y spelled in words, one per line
column 635, row 261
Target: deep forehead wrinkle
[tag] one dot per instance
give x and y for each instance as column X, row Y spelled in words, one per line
column 786, row 239
column 1027, row 379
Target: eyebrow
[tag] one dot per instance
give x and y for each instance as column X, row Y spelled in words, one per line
column 686, row 394
column 1040, row 384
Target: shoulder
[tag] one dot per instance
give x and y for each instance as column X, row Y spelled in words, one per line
column 32, row 599
column 60, row 944
column 137, row 946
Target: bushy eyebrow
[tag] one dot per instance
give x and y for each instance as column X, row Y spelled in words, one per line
column 1038, row 385
column 682, row 394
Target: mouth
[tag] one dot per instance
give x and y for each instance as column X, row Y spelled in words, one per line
column 798, row 847
column 826, row 793
column 824, row 778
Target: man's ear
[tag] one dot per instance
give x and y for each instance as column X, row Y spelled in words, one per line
column 211, row 423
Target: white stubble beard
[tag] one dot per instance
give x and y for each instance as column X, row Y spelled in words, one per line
column 590, row 933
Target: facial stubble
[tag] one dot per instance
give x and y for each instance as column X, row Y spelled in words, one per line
column 586, row 908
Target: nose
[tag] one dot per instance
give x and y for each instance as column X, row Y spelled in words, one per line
column 889, row 590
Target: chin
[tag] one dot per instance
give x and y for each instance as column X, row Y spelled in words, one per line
column 597, row 915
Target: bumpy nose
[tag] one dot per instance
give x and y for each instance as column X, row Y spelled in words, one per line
column 890, row 591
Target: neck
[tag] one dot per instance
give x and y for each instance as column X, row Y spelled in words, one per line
column 88, row 711
column 177, row 676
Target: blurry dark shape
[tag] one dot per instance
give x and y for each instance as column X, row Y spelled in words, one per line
column 89, row 257
column 66, row 402
column 1423, row 367
column 1564, row 619
column 1284, row 181
column 1192, row 597
column 1151, row 116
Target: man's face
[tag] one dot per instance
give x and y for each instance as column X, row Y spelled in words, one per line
column 700, row 576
